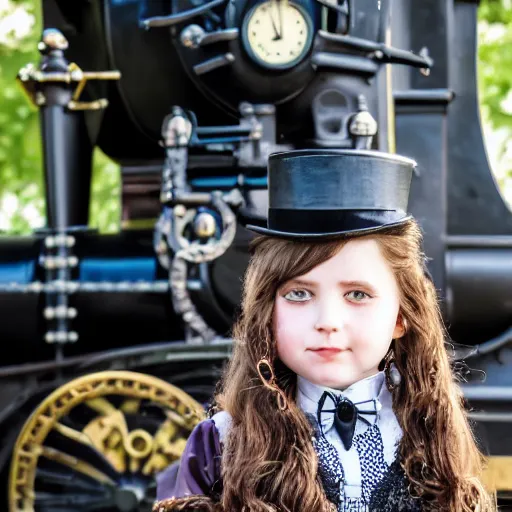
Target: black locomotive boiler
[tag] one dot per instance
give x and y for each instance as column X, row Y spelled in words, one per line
column 116, row 341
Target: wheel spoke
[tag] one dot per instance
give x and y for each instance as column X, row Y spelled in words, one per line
column 95, row 444
column 46, row 502
column 67, row 480
column 76, row 464
column 87, row 453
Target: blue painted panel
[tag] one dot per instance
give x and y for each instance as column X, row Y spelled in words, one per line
column 117, row 270
column 17, row 271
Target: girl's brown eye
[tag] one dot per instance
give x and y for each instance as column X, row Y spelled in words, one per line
column 300, row 298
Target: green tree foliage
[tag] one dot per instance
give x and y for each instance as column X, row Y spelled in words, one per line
column 22, row 205
column 20, row 153
column 495, row 60
column 495, row 87
column 21, row 177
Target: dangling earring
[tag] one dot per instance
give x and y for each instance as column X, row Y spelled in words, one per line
column 268, row 377
column 393, row 376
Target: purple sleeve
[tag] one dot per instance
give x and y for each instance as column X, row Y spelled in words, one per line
column 198, row 470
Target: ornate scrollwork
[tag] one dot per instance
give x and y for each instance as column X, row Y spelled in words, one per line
column 194, row 227
column 98, row 441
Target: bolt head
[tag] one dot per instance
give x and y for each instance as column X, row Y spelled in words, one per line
column 179, row 210
column 204, row 225
column 54, row 39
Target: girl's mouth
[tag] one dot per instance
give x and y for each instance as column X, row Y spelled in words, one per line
column 327, row 351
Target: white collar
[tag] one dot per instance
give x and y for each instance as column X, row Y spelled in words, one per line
column 369, row 388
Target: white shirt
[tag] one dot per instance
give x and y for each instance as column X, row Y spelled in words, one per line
column 373, row 387
column 308, row 395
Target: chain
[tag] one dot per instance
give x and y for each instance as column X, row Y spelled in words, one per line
column 184, row 306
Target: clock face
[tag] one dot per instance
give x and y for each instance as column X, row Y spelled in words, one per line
column 277, row 34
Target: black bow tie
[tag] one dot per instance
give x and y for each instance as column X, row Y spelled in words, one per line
column 345, row 415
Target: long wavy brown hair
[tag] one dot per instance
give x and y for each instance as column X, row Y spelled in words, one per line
column 269, row 463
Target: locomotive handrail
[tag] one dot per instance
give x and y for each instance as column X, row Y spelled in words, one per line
column 344, row 62
column 57, row 286
column 169, row 351
column 495, row 343
column 214, row 63
column 174, row 19
column 380, row 51
column 228, row 34
column 478, row 240
column 195, row 36
column 494, row 393
column 74, row 75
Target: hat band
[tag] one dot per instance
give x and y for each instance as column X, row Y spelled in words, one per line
column 329, row 221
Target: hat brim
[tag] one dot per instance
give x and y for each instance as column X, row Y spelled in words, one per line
column 326, row 236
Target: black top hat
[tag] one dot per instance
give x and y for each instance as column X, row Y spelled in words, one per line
column 327, row 193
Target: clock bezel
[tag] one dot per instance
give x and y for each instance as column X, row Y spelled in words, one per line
column 257, row 59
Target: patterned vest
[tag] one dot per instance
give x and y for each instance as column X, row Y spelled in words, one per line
column 368, row 476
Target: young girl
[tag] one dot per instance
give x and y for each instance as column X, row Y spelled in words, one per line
column 339, row 395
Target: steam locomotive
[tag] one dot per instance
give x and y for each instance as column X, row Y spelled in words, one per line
column 114, row 342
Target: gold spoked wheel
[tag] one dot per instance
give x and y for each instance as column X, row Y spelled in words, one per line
column 96, row 443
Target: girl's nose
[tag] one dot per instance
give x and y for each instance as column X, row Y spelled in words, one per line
column 330, row 317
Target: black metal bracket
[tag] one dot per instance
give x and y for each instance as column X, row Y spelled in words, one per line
column 494, row 344
column 174, row 19
column 380, row 52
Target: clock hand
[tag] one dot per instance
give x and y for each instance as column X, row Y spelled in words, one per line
column 280, row 6
column 278, row 35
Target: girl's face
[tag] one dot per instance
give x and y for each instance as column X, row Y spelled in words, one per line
column 334, row 325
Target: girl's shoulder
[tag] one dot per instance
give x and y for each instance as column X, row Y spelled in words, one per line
column 198, row 469
column 222, row 422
